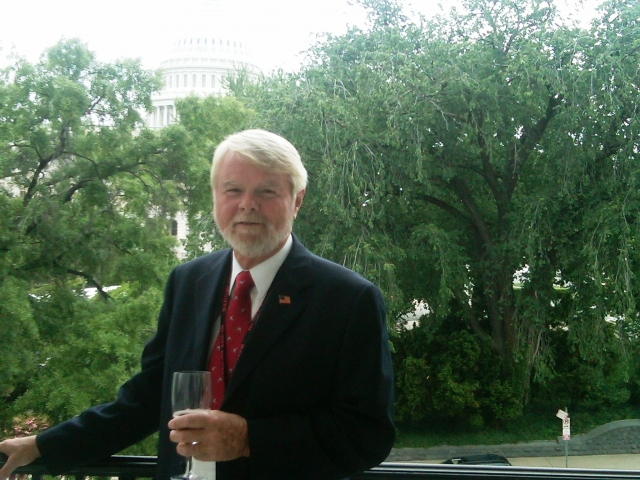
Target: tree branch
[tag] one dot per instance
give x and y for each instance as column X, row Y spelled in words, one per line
column 528, row 142
column 75, row 188
column 473, row 320
column 44, row 162
column 444, row 206
column 488, row 172
column 464, row 194
column 91, row 281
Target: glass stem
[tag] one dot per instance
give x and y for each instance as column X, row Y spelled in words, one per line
column 187, row 473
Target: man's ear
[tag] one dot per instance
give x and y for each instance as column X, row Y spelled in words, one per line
column 299, row 197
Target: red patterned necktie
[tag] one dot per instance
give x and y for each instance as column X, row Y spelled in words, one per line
column 231, row 336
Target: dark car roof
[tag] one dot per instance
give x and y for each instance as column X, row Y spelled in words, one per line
column 485, row 459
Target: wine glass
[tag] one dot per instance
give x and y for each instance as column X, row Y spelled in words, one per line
column 190, row 391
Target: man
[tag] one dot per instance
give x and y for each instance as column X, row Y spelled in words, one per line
column 311, row 395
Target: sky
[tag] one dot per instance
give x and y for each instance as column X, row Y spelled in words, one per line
column 276, row 31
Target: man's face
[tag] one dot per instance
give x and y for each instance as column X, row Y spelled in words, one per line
column 253, row 209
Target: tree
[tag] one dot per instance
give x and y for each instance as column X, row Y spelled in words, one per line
column 452, row 154
column 204, row 123
column 86, row 201
column 72, row 164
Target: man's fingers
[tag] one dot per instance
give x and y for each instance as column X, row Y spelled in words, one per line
column 185, row 435
column 7, row 469
column 190, row 420
column 188, row 449
column 218, row 436
column 20, row 451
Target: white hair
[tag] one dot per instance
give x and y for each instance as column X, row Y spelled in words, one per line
column 266, row 150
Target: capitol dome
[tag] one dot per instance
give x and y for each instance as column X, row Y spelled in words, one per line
column 206, row 48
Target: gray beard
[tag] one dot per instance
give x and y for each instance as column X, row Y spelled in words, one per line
column 258, row 246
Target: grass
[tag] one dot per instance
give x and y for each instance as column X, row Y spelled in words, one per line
column 532, row 426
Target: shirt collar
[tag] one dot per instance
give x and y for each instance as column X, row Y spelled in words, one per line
column 263, row 273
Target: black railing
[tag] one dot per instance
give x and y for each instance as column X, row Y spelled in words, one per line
column 125, row 468
column 128, row 468
column 397, row 471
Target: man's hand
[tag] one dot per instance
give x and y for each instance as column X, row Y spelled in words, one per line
column 210, row 436
column 21, row 451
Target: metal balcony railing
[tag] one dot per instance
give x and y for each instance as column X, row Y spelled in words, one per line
column 129, row 468
column 122, row 467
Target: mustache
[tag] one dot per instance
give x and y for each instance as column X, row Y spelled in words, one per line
column 249, row 218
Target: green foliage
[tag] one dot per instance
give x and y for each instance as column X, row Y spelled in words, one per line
column 449, row 375
column 19, row 334
column 89, row 348
column 635, row 374
column 412, row 394
column 587, row 384
column 80, row 178
column 448, row 155
column 86, row 198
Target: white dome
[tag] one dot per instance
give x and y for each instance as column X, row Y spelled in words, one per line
column 207, row 47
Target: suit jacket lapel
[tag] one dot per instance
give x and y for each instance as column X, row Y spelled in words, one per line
column 277, row 313
column 209, row 291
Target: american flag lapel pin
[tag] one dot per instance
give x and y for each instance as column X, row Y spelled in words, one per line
column 284, row 299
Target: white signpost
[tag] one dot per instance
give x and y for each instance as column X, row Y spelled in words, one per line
column 566, row 433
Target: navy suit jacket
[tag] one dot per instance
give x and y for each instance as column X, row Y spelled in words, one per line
column 314, row 380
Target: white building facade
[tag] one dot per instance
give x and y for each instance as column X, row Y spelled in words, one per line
column 206, row 49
